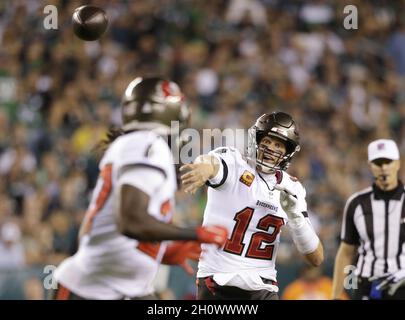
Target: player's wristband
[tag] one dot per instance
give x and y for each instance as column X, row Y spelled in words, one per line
column 304, row 236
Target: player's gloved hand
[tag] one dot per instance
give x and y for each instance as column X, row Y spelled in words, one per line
column 178, row 252
column 289, row 203
column 302, row 232
column 212, row 234
column 391, row 281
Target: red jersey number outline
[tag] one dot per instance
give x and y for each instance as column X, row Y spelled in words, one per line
column 235, row 243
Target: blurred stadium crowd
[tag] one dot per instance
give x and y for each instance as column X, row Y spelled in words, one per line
column 234, row 59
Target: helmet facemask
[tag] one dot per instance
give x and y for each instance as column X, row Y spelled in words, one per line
column 258, row 153
column 264, row 154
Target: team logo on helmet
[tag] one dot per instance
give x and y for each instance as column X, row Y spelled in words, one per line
column 153, row 100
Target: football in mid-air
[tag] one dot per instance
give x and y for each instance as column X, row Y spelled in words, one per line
column 89, row 22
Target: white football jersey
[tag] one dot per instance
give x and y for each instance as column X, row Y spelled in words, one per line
column 245, row 202
column 109, row 265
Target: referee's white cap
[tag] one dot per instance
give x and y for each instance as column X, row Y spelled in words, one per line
column 383, row 148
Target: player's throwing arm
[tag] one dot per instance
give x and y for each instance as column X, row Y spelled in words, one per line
column 204, row 168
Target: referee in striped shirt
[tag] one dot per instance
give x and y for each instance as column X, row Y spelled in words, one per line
column 373, row 231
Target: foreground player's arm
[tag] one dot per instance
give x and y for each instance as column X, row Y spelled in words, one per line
column 344, row 257
column 204, row 168
column 304, row 236
column 136, row 185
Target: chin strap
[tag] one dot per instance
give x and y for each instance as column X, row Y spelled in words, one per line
column 267, row 169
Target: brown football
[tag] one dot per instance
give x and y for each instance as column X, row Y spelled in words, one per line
column 89, row 22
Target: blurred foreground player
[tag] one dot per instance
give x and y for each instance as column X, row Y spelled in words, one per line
column 373, row 230
column 132, row 204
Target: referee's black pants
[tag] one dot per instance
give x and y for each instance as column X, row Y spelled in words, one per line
column 364, row 292
column 208, row 289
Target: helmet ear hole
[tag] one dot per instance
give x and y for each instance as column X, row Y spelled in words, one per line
column 291, row 147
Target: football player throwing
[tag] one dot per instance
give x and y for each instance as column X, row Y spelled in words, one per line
column 253, row 197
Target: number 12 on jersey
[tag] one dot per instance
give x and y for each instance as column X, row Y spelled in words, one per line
column 255, row 250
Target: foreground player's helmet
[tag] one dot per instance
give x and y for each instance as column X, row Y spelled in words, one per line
column 153, row 101
column 276, row 124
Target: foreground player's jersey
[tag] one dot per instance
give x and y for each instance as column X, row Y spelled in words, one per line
column 245, row 202
column 109, row 265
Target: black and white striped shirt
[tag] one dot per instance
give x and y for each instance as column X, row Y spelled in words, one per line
column 374, row 220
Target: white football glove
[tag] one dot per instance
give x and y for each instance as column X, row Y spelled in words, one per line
column 289, row 203
column 391, row 281
column 302, row 233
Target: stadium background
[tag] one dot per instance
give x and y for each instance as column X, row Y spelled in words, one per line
column 234, row 59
